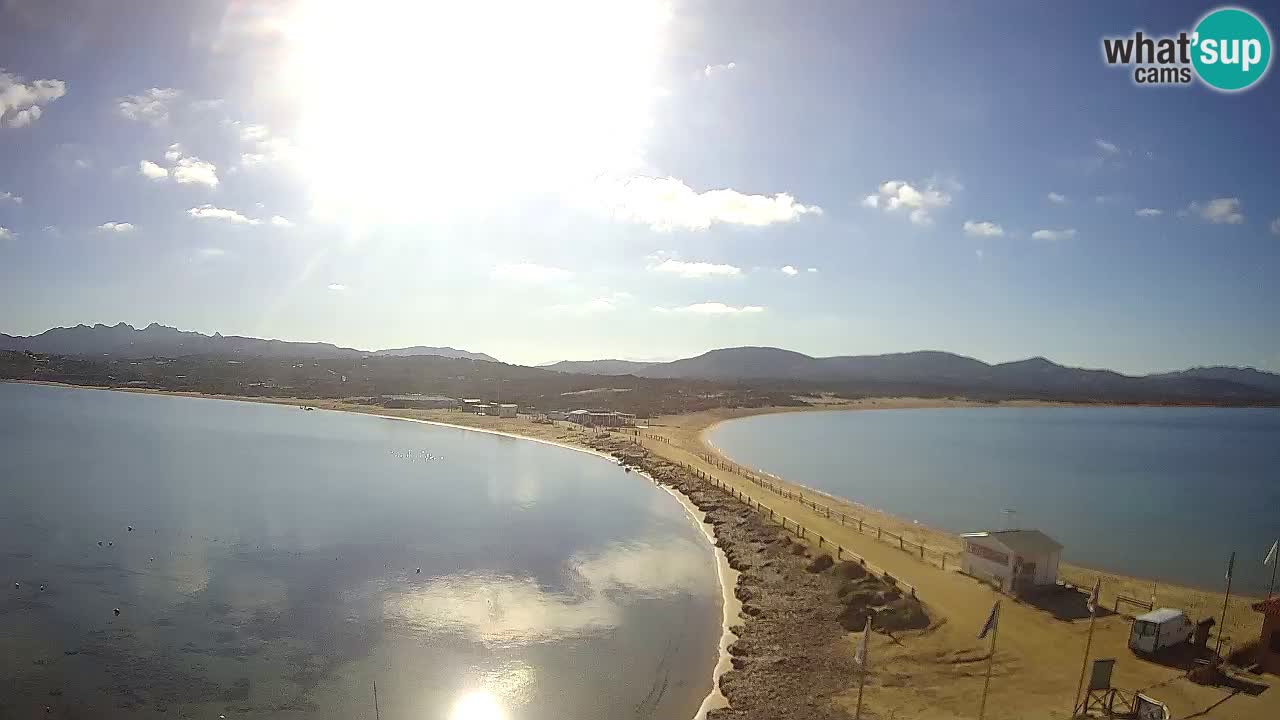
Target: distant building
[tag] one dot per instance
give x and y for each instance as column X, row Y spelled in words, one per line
column 1269, row 643
column 507, row 410
column 481, row 408
column 423, row 402
column 601, row 418
column 1017, row 561
column 557, row 415
column 469, row 404
column 490, row 409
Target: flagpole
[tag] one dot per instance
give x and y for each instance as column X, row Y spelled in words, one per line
column 991, row 660
column 1222, row 624
column 862, row 680
column 1088, row 645
column 1274, row 562
column 861, row 657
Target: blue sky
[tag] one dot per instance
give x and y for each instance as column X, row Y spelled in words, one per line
column 577, row 179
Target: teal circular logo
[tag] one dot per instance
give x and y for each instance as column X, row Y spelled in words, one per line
column 1231, row 49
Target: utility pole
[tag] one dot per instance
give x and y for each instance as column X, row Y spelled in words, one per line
column 1222, row 624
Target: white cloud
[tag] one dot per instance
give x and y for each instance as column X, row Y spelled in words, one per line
column 789, row 270
column 210, row 252
column 152, row 171
column 1148, row 212
column 1275, row 226
column 527, row 273
column 337, row 287
column 264, row 147
column 712, row 308
column 7, row 234
column 116, row 227
column 812, row 270
column 900, row 195
column 174, row 152
column 594, row 306
column 666, row 204
column 10, row 197
column 1106, row 147
column 695, row 269
column 1057, row 198
column 209, row 212
column 281, row 221
column 1066, row 234
column 194, row 170
column 152, row 106
column 719, row 68
column 22, row 103
column 982, row 228
column 1218, row 211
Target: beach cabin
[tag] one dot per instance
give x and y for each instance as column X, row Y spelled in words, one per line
column 1016, row 561
column 506, row 410
column 1269, row 643
column 469, row 404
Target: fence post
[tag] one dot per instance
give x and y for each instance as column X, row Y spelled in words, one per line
column 901, row 545
column 859, row 525
column 921, row 552
column 944, row 561
column 879, row 533
column 828, row 513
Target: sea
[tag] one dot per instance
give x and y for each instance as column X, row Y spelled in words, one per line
column 175, row 557
column 1161, row 493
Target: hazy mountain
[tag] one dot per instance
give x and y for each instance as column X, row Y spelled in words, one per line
column 155, row 340
column 936, row 372
column 436, row 351
column 597, row 367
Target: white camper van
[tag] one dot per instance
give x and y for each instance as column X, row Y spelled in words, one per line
column 1160, row 629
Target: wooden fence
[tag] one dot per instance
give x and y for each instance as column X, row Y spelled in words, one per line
column 923, row 552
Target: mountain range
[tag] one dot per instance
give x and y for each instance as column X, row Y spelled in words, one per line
column 927, row 372
column 935, row 371
column 156, row 340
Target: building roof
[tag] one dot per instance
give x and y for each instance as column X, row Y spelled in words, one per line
column 1023, row 542
column 1160, row 615
column 1268, row 607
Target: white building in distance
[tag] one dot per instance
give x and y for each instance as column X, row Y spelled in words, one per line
column 1017, row 561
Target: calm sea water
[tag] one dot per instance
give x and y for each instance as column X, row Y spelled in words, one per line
column 272, row 569
column 1163, row 493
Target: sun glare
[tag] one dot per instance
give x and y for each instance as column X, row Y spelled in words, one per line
column 478, row 705
column 454, row 103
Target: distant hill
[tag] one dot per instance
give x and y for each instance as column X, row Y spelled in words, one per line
column 436, row 351
column 156, row 340
column 934, row 372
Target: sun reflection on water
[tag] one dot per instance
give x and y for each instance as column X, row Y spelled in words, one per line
column 478, row 705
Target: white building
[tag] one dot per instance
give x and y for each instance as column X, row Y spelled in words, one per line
column 1015, row 560
column 506, row 410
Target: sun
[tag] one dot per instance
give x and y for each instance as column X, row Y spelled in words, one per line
column 445, row 102
column 478, row 705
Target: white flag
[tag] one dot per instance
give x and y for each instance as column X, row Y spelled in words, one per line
column 1271, row 556
column 1093, row 597
column 860, row 656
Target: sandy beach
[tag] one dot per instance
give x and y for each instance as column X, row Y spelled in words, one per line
column 934, row 672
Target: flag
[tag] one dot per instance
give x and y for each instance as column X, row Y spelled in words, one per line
column 860, row 656
column 992, row 620
column 1231, row 566
column 1271, row 556
column 1095, row 595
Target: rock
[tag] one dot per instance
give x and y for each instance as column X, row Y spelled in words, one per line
column 799, row 549
column 820, row 563
column 854, row 618
column 850, row 570
column 116, row 611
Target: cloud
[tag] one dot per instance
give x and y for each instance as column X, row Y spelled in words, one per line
column 1106, row 147
column 152, row 171
column 594, row 306
column 983, row 228
column 1148, row 212
column 1218, row 211
column 692, row 270
column 210, row 252
column 263, row 147
column 23, row 103
column 10, row 197
column 7, row 234
column 174, row 152
column 152, row 106
column 899, row 195
column 1057, row 198
column 1066, row 234
column 789, row 270
column 281, row 221
column 337, row 287
column 527, row 273
column 194, row 170
column 812, row 270
column 712, row 308
column 209, row 212
column 720, row 68
column 1275, row 227
column 116, row 227
column 666, row 204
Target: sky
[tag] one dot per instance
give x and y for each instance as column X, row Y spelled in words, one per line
column 579, row 179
